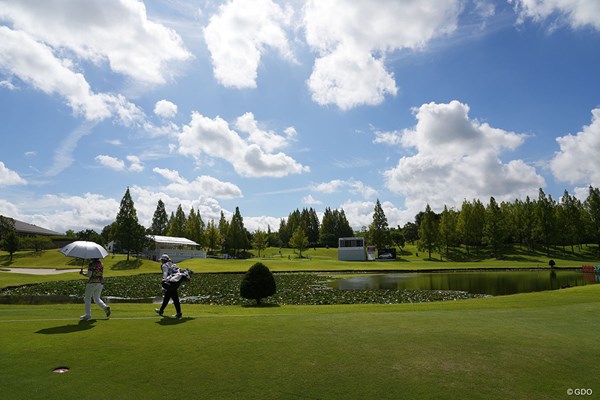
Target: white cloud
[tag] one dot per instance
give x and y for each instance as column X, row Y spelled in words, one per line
column 240, row 34
column 389, row 138
column 61, row 212
column 136, row 164
column 575, row 162
column 311, row 201
column 35, row 63
column 111, row 162
column 353, row 186
column 576, row 13
column 458, row 158
column 214, row 138
column 7, row 85
column 205, row 186
column 268, row 140
column 165, row 109
column 353, row 38
column 118, row 32
column 9, row 177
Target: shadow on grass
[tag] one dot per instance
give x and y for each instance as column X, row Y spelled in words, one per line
column 166, row 321
column 261, row 305
column 127, row 265
column 57, row 330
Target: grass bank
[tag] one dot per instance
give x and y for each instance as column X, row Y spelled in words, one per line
column 525, row 346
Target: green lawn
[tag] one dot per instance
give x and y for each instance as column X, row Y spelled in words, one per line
column 529, row 346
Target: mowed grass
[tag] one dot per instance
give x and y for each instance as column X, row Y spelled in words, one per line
column 528, row 346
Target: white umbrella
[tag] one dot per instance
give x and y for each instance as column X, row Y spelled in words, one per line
column 85, row 250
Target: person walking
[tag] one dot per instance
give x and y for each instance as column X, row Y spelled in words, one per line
column 93, row 288
column 170, row 288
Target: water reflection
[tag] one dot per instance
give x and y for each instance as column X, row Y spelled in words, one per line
column 493, row 283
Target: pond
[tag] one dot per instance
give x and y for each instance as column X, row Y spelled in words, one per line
column 493, row 283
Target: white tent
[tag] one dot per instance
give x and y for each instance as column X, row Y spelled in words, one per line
column 177, row 248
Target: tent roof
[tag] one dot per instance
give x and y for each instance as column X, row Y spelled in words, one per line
column 173, row 240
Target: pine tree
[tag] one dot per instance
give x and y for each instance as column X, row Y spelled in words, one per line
column 177, row 224
column 236, row 233
column 379, row 232
column 160, row 220
column 428, row 232
column 128, row 232
column 212, row 236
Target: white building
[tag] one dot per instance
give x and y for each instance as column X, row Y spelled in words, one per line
column 177, row 248
column 352, row 249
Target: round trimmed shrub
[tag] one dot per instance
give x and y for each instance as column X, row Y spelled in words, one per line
column 258, row 283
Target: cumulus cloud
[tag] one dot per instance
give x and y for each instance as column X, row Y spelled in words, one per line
column 45, row 41
column 165, row 109
column 117, row 32
column 240, row 33
column 34, row 63
column 458, row 158
column 353, row 186
column 214, row 138
column 111, row 162
column 205, row 186
column 577, row 14
column 360, row 213
column 136, row 164
column 62, row 212
column 9, row 177
column 352, row 39
column 574, row 163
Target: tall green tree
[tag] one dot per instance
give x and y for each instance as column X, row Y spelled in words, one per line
column 592, row 208
column 428, row 232
column 260, row 240
column 571, row 221
column 11, row 243
column 7, row 225
column 299, row 240
column 236, row 234
column 471, row 223
column 223, row 228
column 177, row 223
column 379, row 232
column 545, row 214
column 212, row 237
column 448, row 234
column 160, row 220
column 495, row 232
column 128, row 232
column 284, row 236
column 194, row 227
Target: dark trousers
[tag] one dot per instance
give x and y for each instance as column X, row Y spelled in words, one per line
column 171, row 293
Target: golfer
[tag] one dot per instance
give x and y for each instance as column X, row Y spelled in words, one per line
column 93, row 288
column 168, row 269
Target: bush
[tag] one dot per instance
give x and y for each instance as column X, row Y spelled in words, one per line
column 258, row 283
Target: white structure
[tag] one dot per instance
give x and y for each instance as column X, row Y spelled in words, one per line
column 177, row 248
column 352, row 249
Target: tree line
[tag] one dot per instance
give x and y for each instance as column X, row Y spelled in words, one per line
column 537, row 224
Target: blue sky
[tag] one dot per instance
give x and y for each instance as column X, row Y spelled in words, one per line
column 276, row 105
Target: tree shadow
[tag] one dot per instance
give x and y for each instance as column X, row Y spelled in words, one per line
column 261, row 305
column 127, row 265
column 166, row 321
column 57, row 330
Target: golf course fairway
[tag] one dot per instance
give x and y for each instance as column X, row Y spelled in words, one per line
column 530, row 346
